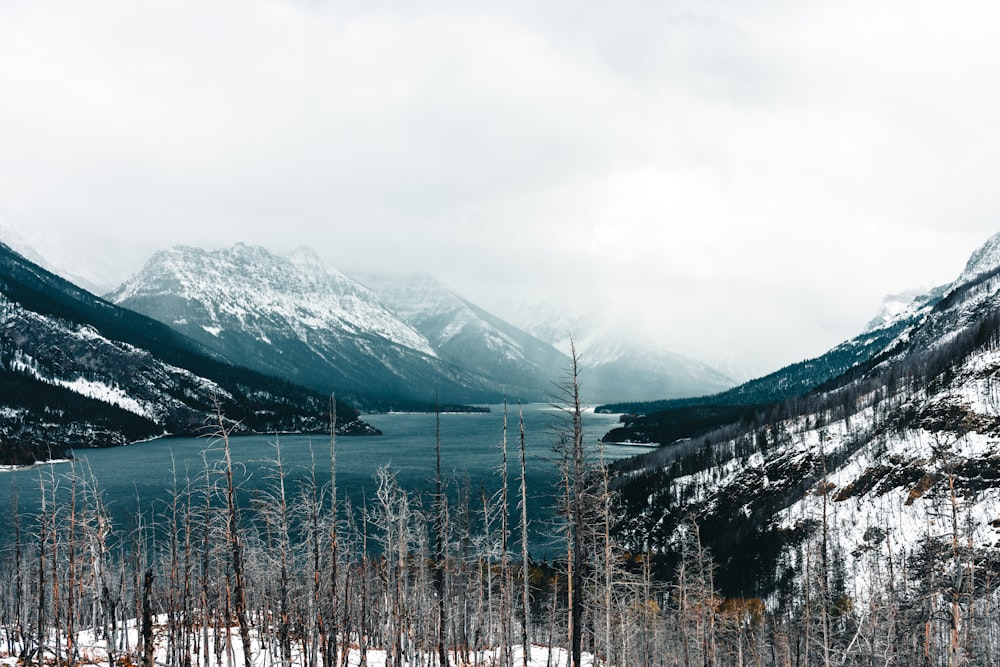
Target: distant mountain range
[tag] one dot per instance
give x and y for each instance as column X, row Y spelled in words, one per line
column 381, row 341
column 667, row 420
column 77, row 371
column 297, row 318
column 883, row 450
column 467, row 336
column 615, row 366
column 268, row 336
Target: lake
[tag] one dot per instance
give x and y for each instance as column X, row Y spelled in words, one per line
column 140, row 475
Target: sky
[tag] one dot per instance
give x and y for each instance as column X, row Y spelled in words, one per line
column 741, row 182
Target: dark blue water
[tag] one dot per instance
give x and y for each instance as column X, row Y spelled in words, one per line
column 139, row 478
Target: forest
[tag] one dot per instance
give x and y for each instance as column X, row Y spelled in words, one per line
column 442, row 576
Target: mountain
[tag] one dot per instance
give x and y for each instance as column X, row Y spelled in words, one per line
column 77, row 371
column 464, row 334
column 893, row 463
column 296, row 318
column 665, row 421
column 614, row 366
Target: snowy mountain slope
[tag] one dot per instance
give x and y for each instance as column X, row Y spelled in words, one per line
column 295, row 318
column 297, row 289
column 664, row 421
column 883, row 465
column 896, row 307
column 985, row 259
column 468, row 336
column 78, row 371
column 614, row 366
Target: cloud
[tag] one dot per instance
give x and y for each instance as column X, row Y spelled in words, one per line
column 726, row 176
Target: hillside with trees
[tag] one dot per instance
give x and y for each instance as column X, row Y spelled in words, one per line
column 77, row 372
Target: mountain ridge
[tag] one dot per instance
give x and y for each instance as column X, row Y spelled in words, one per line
column 856, row 469
column 299, row 319
column 469, row 336
column 139, row 378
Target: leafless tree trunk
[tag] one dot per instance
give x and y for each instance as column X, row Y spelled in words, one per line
column 235, row 544
column 525, row 563
column 330, row 651
column 148, row 647
column 506, row 582
column 574, row 481
column 440, row 511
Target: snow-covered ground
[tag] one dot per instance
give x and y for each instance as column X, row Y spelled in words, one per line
column 93, row 651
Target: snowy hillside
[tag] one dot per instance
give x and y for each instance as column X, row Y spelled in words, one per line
column 76, row 371
column 892, row 460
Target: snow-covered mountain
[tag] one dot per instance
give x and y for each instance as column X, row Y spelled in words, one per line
column 896, row 307
column 614, row 366
column 664, row 420
column 77, row 371
column 885, row 464
column 468, row 336
column 297, row 318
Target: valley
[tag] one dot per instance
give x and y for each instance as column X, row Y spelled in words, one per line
column 829, row 495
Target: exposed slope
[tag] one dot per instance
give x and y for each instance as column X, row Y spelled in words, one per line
column 295, row 318
column 122, row 375
column 859, row 472
column 468, row 336
column 614, row 366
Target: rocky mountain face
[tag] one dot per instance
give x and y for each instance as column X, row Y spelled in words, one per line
column 468, row 336
column 296, row 318
column 77, row 371
column 615, row 367
column 894, row 463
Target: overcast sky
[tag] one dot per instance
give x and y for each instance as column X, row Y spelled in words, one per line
column 740, row 180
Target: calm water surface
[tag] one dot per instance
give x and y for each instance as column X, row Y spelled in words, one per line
column 139, row 477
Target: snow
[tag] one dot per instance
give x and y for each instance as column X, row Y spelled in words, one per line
column 441, row 314
column 985, row 259
column 47, row 462
column 147, row 380
column 251, row 288
column 102, row 392
column 90, row 388
column 896, row 307
column 888, row 518
column 93, row 651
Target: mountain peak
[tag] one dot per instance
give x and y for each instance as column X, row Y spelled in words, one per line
column 306, row 257
column 985, row 259
column 893, row 307
column 243, row 286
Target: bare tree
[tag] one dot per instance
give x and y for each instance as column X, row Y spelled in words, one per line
column 574, row 503
column 233, row 539
column 440, row 512
column 525, row 562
